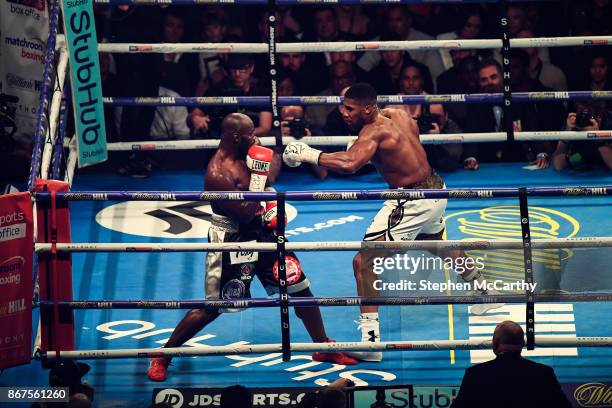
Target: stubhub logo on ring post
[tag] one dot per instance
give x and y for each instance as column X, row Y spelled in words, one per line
column 85, row 77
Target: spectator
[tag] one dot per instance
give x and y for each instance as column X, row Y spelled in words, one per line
column 447, row 82
column 341, row 76
column 600, row 14
column 169, row 122
column 263, row 30
column 447, row 156
column 596, row 76
column 460, row 79
column 210, row 64
column 329, row 396
column 111, row 86
column 510, row 380
column 240, row 83
column 79, row 400
column 582, row 155
column 386, row 75
column 325, row 28
column 311, row 78
column 69, row 373
column 287, row 83
column 525, row 117
column 335, row 124
column 548, row 74
column 351, row 20
column 469, row 28
column 294, row 124
column 517, row 19
column 236, row 396
column 414, row 80
column 350, row 58
column 178, row 69
column 399, row 22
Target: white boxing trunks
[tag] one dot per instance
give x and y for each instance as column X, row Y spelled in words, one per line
column 408, row 220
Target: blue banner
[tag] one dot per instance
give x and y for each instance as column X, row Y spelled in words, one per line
column 80, row 29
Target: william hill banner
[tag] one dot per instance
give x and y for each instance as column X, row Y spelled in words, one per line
column 85, row 79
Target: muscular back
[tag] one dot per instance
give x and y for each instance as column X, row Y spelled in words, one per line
column 400, row 157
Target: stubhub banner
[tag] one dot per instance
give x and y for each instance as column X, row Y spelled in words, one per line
column 85, row 79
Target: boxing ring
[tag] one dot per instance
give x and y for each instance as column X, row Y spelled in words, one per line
column 137, row 252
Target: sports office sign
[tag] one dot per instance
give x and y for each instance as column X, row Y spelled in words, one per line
column 82, row 43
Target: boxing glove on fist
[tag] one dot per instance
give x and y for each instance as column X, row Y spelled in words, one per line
column 297, row 153
column 258, row 161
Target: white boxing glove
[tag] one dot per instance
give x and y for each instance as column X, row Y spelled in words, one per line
column 297, row 153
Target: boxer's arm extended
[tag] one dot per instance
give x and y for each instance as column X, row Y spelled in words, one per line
column 360, row 153
column 243, row 211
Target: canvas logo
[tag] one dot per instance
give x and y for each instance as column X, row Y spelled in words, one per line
column 504, row 222
column 162, row 219
column 171, row 397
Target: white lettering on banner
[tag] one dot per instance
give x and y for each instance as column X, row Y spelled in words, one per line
column 23, row 31
column 11, row 232
column 323, row 225
column 229, row 99
column 12, row 217
column 145, row 329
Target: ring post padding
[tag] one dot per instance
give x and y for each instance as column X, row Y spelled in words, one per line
column 526, row 234
column 54, row 227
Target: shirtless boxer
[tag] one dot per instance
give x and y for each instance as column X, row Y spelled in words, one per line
column 241, row 164
column 390, row 140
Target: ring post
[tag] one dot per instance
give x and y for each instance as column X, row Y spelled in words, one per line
column 505, row 53
column 282, row 278
column 526, row 234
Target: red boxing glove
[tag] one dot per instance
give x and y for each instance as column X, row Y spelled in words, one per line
column 258, row 161
column 270, row 215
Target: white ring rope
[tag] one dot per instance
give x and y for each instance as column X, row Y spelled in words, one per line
column 261, row 48
column 344, row 140
column 420, row 345
column 587, row 242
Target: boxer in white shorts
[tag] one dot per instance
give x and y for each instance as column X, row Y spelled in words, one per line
column 390, row 140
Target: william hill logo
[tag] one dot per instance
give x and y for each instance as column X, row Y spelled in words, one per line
column 594, row 395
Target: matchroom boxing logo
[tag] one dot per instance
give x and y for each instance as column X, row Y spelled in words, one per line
column 163, row 219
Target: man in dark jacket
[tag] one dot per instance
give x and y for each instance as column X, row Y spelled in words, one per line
column 510, row 380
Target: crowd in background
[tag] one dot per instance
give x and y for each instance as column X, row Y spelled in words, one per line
column 390, row 72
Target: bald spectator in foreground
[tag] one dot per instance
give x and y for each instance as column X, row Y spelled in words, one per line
column 510, row 380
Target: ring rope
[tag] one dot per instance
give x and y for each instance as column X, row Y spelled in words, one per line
column 350, row 195
column 261, row 48
column 327, row 301
column 344, row 140
column 419, row 345
column 587, row 242
column 174, row 101
column 42, row 124
column 288, row 2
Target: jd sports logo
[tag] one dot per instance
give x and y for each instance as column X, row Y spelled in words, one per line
column 162, row 219
column 372, row 335
column 170, row 397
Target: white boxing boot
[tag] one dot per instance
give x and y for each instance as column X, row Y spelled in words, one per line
column 370, row 331
column 481, row 308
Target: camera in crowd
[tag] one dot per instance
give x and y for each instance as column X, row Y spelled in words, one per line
column 297, row 127
column 584, row 117
column 8, row 127
column 425, row 120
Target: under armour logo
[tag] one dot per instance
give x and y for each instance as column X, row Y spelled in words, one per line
column 372, row 335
